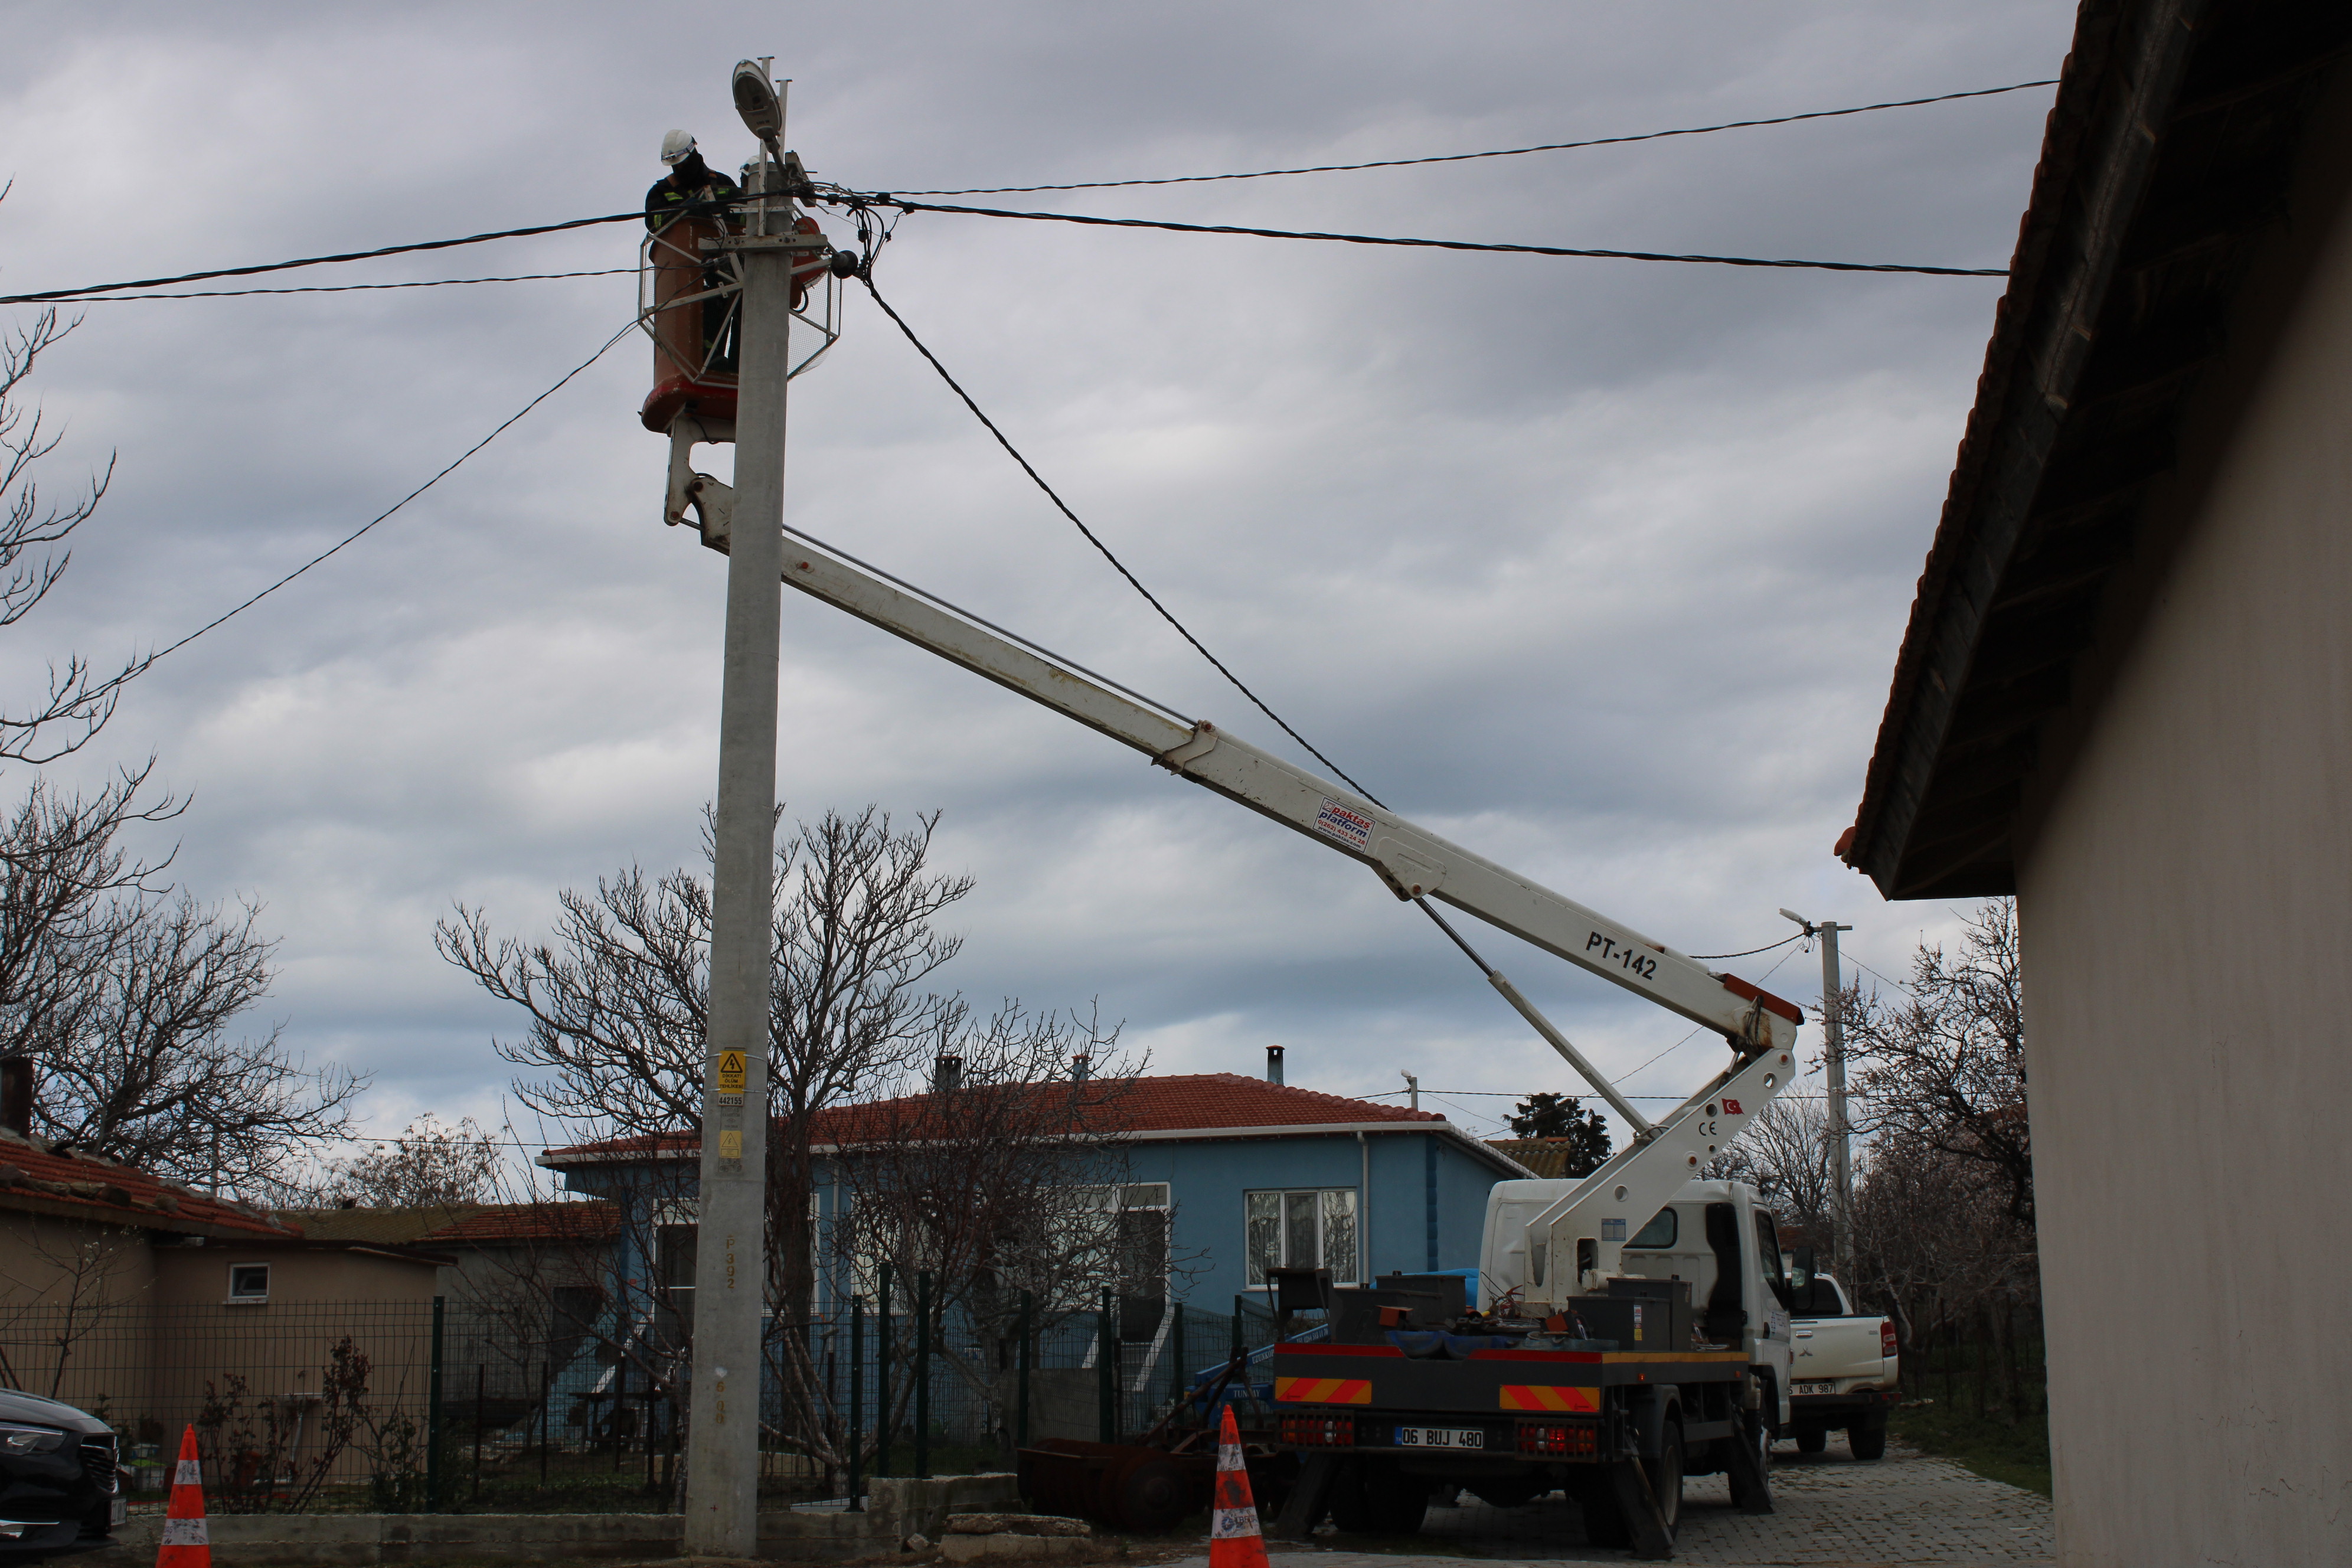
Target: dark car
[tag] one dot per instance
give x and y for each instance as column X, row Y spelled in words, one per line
column 60, row 1488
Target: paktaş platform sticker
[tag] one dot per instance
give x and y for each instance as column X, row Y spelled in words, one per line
column 1344, row 822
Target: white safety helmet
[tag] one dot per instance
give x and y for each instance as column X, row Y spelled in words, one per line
column 676, row 148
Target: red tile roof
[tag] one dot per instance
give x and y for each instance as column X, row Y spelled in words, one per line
column 1180, row 1103
column 493, row 1224
column 76, row 1186
column 452, row 1224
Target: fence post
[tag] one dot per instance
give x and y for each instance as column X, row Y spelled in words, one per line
column 620, row 1408
column 856, row 1401
column 1176, row 1356
column 433, row 1413
column 1021, row 1403
column 481, row 1384
column 1240, row 1343
column 546, row 1412
column 884, row 1426
column 923, row 1373
column 1105, row 1374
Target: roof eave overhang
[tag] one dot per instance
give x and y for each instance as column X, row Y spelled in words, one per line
column 132, row 1219
column 2176, row 130
column 2096, row 160
column 1142, row 1135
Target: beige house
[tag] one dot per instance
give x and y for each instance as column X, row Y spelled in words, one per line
column 128, row 1294
column 2126, row 697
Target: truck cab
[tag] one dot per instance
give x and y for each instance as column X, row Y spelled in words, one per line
column 1717, row 1236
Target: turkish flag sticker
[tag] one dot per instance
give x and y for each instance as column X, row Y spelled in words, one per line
column 1731, row 1108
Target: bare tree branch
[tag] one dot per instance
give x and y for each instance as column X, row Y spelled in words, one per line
column 78, row 700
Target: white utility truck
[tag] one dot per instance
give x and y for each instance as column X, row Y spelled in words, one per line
column 1846, row 1371
column 1601, row 1357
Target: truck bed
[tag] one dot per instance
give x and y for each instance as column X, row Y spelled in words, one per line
column 1486, row 1382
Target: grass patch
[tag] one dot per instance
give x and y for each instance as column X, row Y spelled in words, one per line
column 1993, row 1446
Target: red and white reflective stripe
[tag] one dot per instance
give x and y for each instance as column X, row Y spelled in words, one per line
column 188, row 1473
column 1232, row 1523
column 1229, row 1457
column 185, row 1533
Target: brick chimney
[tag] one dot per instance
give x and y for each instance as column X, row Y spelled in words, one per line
column 16, row 1095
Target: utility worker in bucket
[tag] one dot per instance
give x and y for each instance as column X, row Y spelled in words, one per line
column 685, row 192
column 689, row 181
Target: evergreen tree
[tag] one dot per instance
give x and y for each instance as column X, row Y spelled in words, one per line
column 1563, row 1116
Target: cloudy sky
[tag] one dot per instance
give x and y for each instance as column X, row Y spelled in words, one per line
column 1597, row 567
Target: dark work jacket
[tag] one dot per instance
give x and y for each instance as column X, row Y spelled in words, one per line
column 668, row 198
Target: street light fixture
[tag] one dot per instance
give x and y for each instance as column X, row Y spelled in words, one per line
column 756, row 102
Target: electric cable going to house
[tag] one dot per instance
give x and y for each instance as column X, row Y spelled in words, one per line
column 1499, row 153
column 1062, row 506
column 510, row 421
column 884, row 199
column 866, row 277
column 357, row 288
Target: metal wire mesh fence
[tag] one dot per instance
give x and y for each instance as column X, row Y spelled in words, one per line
column 424, row 1406
column 407, row 1406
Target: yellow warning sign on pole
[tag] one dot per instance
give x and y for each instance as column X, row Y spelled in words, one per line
column 730, row 1072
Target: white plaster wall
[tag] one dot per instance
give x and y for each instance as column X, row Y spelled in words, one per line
column 2187, row 910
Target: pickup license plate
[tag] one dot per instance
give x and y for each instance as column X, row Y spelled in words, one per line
column 118, row 1512
column 1439, row 1438
column 1815, row 1388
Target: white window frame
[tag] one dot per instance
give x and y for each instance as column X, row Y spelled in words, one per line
column 237, row 1298
column 1254, row 1267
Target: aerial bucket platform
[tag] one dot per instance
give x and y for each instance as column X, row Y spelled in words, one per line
column 689, row 303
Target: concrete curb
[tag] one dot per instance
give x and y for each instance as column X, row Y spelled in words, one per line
column 896, row 1507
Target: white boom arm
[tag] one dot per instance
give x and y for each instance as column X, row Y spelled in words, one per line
column 1413, row 861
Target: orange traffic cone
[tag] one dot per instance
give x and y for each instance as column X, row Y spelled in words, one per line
column 1233, row 1538
column 186, row 1544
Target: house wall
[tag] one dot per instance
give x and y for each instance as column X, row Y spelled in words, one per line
column 53, row 1262
column 70, row 1295
column 1208, row 1180
column 286, row 1345
column 2186, row 903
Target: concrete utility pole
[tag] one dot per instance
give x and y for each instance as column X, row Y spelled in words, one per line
column 1833, row 1058
column 722, row 1475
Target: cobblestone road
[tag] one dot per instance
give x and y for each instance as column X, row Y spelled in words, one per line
column 1830, row 1512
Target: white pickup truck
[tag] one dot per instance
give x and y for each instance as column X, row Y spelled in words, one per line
column 1843, row 1371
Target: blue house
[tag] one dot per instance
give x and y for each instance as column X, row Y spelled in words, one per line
column 1252, row 1173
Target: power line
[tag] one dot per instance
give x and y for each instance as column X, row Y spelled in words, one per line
column 1522, row 1094
column 358, row 287
column 1888, row 978
column 1687, row 1039
column 58, row 294
column 1754, row 951
column 1499, row 153
column 1064, row 507
column 451, row 467
column 904, row 206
